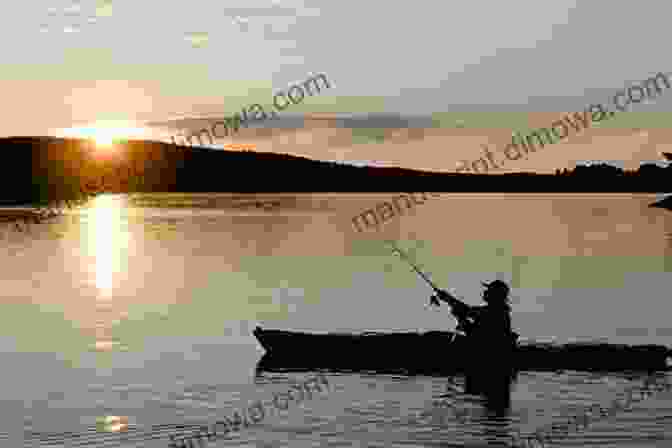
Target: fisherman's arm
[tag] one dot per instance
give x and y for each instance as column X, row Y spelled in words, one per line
column 459, row 308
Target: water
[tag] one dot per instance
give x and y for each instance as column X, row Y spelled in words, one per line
column 145, row 311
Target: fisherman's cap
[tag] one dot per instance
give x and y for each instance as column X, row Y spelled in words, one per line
column 497, row 285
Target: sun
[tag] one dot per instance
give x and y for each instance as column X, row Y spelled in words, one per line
column 103, row 138
column 104, row 134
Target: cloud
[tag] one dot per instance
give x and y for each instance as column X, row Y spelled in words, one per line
column 198, row 40
column 242, row 22
column 274, row 11
column 74, row 9
column 104, row 8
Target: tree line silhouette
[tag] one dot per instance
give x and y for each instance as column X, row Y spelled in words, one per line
column 40, row 170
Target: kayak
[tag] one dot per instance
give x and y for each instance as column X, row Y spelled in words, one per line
column 445, row 351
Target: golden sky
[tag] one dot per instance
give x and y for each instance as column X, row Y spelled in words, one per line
column 109, row 67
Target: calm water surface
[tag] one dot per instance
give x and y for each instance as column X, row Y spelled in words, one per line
column 142, row 306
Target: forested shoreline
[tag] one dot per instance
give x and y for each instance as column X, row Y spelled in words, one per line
column 44, row 169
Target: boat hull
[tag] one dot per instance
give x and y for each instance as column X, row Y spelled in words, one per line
column 443, row 352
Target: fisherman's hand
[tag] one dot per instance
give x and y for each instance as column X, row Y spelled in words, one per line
column 464, row 326
column 445, row 296
column 442, row 295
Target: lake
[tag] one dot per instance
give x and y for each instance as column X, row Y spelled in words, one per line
column 142, row 306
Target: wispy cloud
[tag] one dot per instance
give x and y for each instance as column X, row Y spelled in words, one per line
column 73, row 17
column 104, row 8
column 72, row 9
column 197, row 40
column 242, row 22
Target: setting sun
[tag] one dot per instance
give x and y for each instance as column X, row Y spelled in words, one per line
column 103, row 138
column 104, row 134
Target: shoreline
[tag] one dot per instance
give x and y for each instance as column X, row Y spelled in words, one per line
column 25, row 213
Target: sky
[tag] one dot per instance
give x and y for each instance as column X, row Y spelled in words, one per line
column 134, row 67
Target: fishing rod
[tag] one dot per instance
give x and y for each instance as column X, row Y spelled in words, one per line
column 419, row 272
column 432, row 300
column 459, row 308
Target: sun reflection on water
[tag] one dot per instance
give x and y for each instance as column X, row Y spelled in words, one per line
column 107, row 242
column 104, row 238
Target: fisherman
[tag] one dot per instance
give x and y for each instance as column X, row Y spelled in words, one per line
column 489, row 343
column 490, row 324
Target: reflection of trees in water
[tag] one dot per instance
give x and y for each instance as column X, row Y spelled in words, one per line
column 259, row 204
column 266, row 203
column 22, row 220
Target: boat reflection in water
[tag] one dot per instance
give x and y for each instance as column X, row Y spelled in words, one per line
column 490, row 389
column 494, row 387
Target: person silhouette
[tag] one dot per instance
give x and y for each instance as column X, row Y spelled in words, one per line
column 488, row 325
column 487, row 332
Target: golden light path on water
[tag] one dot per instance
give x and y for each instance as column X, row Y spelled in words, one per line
column 107, row 242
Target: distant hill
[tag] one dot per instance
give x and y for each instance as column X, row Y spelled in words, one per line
column 45, row 168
